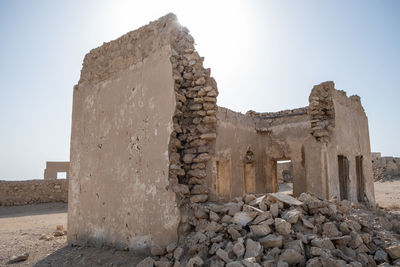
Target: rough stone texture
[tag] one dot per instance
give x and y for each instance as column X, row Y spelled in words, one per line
column 385, row 168
column 365, row 241
column 13, row 193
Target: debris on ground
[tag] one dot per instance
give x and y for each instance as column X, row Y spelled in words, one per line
column 279, row 230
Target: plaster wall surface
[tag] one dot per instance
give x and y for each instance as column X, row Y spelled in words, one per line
column 236, row 135
column 288, row 135
column 15, row 193
column 119, row 158
column 350, row 138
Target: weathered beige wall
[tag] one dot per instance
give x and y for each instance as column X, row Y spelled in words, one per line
column 311, row 137
column 53, row 167
column 14, row 193
column 350, row 138
column 288, row 134
column 236, row 134
column 119, row 158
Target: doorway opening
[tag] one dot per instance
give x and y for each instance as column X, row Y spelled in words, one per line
column 284, row 175
column 61, row 175
column 343, row 164
column 360, row 179
column 223, row 182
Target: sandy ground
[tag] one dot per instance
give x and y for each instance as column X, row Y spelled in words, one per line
column 21, row 228
column 387, row 195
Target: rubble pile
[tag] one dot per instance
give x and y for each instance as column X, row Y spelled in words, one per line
column 278, row 230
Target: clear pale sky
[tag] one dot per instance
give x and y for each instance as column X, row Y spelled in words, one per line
column 265, row 56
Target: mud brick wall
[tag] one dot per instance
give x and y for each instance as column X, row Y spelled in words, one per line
column 15, row 193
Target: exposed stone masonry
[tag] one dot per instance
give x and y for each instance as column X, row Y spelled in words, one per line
column 192, row 141
column 14, row 193
column 321, row 110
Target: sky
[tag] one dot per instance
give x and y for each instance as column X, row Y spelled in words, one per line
column 265, row 56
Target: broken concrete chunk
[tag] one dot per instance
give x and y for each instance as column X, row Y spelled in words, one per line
column 325, row 243
column 394, row 252
column 260, row 230
column 271, row 241
column 286, row 199
column 243, row 218
column 330, row 230
column 253, row 249
column 195, row 262
column 223, row 255
column 282, row 227
column 274, row 209
column 238, row 249
column 157, row 251
column 147, row 262
column 199, row 198
column 291, row 256
column 291, row 216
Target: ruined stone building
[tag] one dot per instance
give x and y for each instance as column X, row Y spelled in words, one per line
column 149, row 142
column 385, row 168
column 55, row 167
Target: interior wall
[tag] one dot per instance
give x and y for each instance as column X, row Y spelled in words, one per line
column 288, row 135
column 236, row 135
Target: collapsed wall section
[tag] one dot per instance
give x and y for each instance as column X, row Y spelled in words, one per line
column 321, row 111
column 238, row 162
column 194, row 132
column 350, row 139
column 142, row 134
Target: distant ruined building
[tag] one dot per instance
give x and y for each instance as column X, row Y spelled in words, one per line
column 149, row 143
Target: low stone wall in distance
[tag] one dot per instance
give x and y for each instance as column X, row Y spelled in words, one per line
column 14, row 193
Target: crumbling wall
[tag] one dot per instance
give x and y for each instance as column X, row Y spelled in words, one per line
column 142, row 134
column 385, row 168
column 194, row 130
column 289, row 132
column 321, row 111
column 15, row 193
column 349, row 138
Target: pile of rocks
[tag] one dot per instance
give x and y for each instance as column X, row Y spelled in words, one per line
column 60, row 231
column 278, row 230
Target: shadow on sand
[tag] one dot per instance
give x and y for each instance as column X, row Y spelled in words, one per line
column 88, row 256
